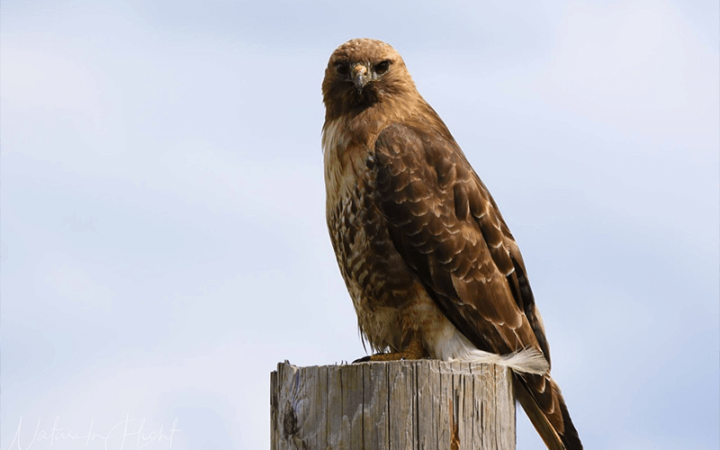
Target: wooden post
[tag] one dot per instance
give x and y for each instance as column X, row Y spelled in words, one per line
column 416, row 405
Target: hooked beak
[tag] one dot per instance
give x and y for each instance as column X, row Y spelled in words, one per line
column 360, row 77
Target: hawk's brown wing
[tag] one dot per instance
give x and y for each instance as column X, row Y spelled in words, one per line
column 449, row 231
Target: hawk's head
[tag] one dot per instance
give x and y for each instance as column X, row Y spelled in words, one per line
column 361, row 73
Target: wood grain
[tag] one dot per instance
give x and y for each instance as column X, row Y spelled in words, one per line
column 404, row 405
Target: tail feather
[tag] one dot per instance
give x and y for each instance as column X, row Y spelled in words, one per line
column 542, row 401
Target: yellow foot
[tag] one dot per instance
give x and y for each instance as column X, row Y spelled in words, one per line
column 413, row 351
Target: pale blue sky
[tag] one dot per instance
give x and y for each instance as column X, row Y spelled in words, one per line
column 163, row 234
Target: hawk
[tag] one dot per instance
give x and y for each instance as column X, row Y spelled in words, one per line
column 431, row 266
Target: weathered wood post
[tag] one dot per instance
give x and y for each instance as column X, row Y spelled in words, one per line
column 418, row 405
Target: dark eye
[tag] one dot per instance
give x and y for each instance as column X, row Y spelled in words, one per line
column 382, row 67
column 342, row 68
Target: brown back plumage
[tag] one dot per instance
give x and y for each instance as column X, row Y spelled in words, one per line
column 410, row 219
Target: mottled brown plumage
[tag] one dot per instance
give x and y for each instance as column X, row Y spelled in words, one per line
column 429, row 262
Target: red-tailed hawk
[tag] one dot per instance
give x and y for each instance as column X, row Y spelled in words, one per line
column 431, row 267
